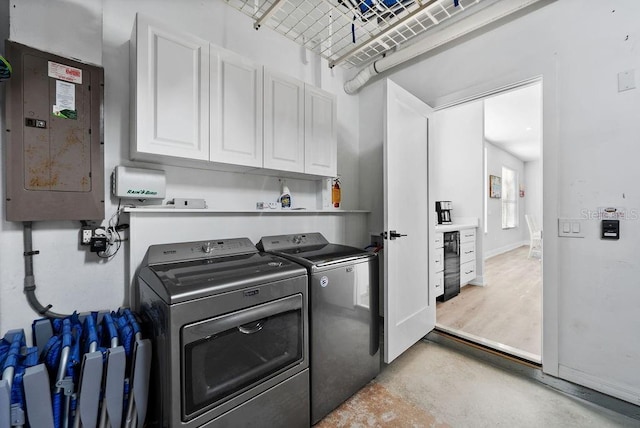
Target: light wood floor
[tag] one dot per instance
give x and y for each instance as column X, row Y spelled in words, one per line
column 508, row 310
column 431, row 386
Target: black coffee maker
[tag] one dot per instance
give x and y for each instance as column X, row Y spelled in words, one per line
column 443, row 211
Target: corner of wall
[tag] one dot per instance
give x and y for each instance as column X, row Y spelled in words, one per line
column 4, row 21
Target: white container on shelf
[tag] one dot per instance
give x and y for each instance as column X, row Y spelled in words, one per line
column 323, row 194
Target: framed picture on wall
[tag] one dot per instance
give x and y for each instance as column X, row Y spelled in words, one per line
column 495, row 186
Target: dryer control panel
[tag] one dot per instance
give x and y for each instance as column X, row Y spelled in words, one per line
column 196, row 250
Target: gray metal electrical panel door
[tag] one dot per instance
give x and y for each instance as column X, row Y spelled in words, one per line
column 55, row 156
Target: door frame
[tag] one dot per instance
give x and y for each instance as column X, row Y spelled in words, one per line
column 549, row 343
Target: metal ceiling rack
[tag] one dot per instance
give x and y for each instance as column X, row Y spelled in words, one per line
column 350, row 33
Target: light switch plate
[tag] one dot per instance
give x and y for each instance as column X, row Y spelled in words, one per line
column 626, row 80
column 570, row 228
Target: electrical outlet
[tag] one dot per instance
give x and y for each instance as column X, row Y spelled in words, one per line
column 86, row 233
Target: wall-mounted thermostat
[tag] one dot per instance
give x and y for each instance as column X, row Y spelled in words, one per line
column 610, row 229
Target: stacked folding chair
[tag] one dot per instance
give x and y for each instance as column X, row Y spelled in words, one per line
column 23, row 379
column 92, row 371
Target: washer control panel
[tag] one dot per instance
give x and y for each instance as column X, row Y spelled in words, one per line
column 185, row 251
column 282, row 242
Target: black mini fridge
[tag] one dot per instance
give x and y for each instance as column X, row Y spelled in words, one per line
column 451, row 265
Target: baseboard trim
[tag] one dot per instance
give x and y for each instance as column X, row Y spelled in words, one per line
column 615, row 390
column 533, row 371
column 479, row 281
column 505, row 249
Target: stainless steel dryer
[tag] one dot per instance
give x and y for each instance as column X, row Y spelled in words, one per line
column 343, row 300
column 230, row 335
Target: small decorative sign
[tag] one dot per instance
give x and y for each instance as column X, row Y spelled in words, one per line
column 495, row 186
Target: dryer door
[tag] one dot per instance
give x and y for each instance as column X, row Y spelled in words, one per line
column 227, row 355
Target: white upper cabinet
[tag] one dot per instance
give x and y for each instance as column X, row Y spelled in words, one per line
column 320, row 136
column 283, row 122
column 236, row 109
column 299, row 126
column 192, row 100
column 170, row 86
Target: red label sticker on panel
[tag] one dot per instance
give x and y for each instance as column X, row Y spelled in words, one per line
column 65, row 72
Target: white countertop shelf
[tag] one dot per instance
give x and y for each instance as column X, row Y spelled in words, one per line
column 171, row 210
column 470, row 223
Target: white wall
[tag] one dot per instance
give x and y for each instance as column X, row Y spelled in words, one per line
column 371, row 130
column 456, row 159
column 72, row 28
column 67, row 276
column 533, row 189
column 498, row 240
column 457, row 166
column 590, row 156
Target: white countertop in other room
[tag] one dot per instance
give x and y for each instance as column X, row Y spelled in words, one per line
column 458, row 224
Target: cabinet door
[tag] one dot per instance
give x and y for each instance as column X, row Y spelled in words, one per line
column 236, row 109
column 438, row 239
column 283, row 122
column 171, row 92
column 438, row 285
column 438, row 260
column 467, row 272
column 320, row 151
column 467, row 235
column 467, row 252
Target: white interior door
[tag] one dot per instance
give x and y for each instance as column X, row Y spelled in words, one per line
column 409, row 304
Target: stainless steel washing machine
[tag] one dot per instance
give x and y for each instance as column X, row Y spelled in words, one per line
column 230, row 334
column 343, row 299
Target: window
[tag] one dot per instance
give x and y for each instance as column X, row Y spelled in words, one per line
column 509, row 198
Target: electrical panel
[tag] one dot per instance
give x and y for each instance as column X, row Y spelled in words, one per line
column 55, row 156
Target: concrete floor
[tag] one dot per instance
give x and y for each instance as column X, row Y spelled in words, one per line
column 433, row 386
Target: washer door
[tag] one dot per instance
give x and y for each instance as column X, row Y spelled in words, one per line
column 227, row 355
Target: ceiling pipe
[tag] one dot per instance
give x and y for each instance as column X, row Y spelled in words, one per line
column 491, row 13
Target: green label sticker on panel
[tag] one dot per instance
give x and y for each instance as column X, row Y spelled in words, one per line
column 65, row 113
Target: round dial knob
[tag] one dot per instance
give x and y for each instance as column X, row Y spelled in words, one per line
column 207, row 247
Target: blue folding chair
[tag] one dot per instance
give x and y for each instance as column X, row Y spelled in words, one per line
column 116, row 360
column 138, row 368
column 85, row 406
column 58, row 357
column 16, row 359
column 8, row 357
